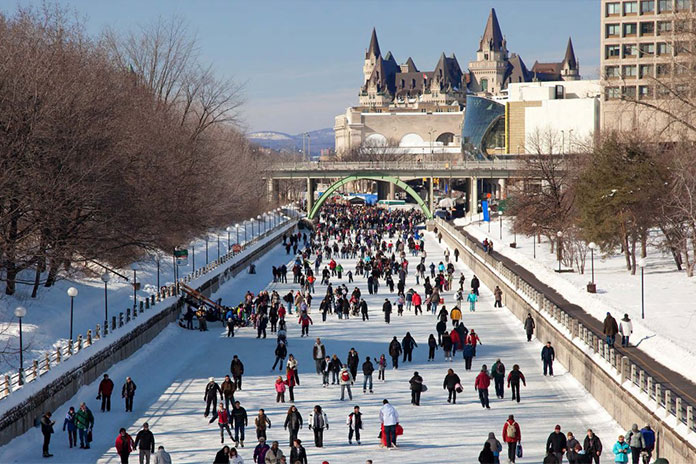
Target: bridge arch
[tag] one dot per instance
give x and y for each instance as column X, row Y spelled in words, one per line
column 394, row 180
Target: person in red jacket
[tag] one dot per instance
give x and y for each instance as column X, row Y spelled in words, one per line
column 124, row 445
column 511, row 436
column 106, row 387
column 473, row 339
column 416, row 302
column 304, row 321
column 483, row 381
column 456, row 341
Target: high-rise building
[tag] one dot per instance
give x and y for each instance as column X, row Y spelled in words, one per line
column 642, row 58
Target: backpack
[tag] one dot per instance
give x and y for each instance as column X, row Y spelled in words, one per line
column 511, row 430
column 345, row 376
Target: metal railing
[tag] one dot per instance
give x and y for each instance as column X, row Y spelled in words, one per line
column 506, row 164
column 10, row 383
column 680, row 408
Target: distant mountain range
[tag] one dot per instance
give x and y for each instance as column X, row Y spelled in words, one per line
column 319, row 140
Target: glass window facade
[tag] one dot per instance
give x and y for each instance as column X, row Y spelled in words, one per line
column 481, row 127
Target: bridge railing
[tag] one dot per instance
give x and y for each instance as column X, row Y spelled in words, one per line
column 395, row 165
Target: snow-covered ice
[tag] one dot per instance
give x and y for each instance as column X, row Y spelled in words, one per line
column 171, row 373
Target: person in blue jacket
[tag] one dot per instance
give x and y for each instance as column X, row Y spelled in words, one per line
column 649, row 440
column 621, row 450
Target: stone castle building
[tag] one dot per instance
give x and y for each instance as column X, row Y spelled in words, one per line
column 422, row 112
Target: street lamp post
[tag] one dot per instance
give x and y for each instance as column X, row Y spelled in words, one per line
column 245, row 230
column 134, row 267
column 592, row 246
column 258, row 218
column 105, row 277
column 206, row 248
column 534, row 226
column 641, row 263
column 20, row 312
column 500, row 220
column 228, row 229
column 559, row 254
column 72, row 293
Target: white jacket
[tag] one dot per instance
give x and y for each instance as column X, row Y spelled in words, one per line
column 323, row 417
column 162, row 457
column 626, row 328
column 350, row 377
column 236, row 460
column 388, row 415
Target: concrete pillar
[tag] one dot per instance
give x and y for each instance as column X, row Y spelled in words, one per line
column 392, row 191
column 668, row 401
column 690, row 417
column 473, row 197
column 501, row 189
column 310, row 194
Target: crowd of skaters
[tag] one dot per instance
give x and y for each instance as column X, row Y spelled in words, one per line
column 379, row 241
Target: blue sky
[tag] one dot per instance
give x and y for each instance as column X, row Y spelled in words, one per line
column 301, row 60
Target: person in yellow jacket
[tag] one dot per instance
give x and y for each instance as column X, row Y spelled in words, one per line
column 456, row 315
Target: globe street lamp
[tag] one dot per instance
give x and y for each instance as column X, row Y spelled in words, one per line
column 105, row 277
column 20, row 312
column 258, row 218
column 229, row 229
column 72, row 293
column 500, row 220
column 134, row 267
column 592, row 246
column 559, row 254
column 642, row 262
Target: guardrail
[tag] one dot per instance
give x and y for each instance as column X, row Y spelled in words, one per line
column 51, row 359
column 621, row 366
column 509, row 164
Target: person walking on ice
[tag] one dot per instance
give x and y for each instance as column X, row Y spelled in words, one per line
column 472, row 298
column 389, row 418
column 345, row 380
column 317, row 423
column 354, row 423
column 223, row 419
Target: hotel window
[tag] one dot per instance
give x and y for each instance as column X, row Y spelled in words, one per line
column 613, row 51
column 681, row 48
column 612, row 30
column 647, row 6
column 664, row 27
column 613, row 9
column 647, row 28
column 664, row 5
column 662, row 70
column 644, row 92
column 629, row 92
column 630, row 50
column 612, row 93
column 630, row 8
column 662, row 49
column 647, row 49
column 683, row 5
column 630, row 29
column 645, row 70
column 630, row 71
column 681, row 26
column 662, row 91
column 611, row 72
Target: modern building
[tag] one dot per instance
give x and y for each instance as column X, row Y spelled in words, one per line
column 420, row 112
column 644, row 54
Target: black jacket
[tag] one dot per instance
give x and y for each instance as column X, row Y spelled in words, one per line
column 556, row 442
column 592, row 445
column 408, row 343
column 146, row 440
column 548, row 353
column 211, row 390
column 416, row 383
column 221, row 458
column 368, row 368
column 353, row 360
column 335, row 365
column 451, row 380
column 281, row 350
column 387, row 307
column 394, row 348
column 239, row 415
column 298, row 455
column 46, row 425
column 128, row 389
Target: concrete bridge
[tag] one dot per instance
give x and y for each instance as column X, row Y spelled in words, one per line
column 396, row 173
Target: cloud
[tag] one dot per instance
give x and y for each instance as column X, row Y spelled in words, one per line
column 297, row 113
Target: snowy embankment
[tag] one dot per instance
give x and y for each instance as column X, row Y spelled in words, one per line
column 666, row 333
column 94, row 308
column 171, row 373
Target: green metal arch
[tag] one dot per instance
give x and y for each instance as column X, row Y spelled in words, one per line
column 354, row 177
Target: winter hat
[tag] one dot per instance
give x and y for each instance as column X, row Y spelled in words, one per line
column 557, row 427
column 211, row 379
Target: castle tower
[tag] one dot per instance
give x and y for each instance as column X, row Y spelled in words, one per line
column 489, row 69
column 371, row 55
column 570, row 67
